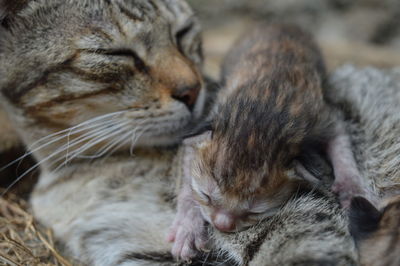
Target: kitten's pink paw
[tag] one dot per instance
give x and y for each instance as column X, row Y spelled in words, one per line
column 189, row 236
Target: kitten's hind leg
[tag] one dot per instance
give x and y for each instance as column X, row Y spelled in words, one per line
column 348, row 180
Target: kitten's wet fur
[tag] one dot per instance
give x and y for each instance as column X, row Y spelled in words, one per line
column 270, row 111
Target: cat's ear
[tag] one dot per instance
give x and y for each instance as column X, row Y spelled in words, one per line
column 364, row 218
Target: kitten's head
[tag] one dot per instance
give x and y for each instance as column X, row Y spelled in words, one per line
column 103, row 70
column 232, row 197
column 377, row 232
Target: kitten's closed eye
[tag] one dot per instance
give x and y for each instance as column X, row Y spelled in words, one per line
column 266, row 211
column 202, row 197
column 249, row 213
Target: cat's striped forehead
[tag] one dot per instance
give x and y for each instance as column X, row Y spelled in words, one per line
column 45, row 35
column 66, row 61
column 175, row 10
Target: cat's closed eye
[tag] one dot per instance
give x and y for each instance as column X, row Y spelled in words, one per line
column 181, row 34
column 139, row 63
column 188, row 40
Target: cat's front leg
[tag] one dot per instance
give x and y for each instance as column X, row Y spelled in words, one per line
column 188, row 231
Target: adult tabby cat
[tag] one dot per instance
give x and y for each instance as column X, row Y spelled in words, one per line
column 81, row 79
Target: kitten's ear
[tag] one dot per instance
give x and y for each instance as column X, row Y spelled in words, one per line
column 364, row 218
column 304, row 174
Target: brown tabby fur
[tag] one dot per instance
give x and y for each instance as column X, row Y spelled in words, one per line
column 370, row 98
column 56, row 73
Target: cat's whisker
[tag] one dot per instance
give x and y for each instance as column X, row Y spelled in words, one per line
column 105, row 129
column 75, row 153
column 135, row 137
column 84, row 137
column 118, row 146
column 132, row 144
column 74, row 130
column 31, row 150
column 115, row 146
column 68, row 142
column 27, row 172
column 59, row 150
column 100, row 138
column 133, row 141
column 105, row 149
column 93, row 141
column 103, row 126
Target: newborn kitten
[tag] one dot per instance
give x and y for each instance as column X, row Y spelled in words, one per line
column 270, row 110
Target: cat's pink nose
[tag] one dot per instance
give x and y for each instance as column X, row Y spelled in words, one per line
column 224, row 222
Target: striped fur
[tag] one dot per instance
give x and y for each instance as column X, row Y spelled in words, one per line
column 372, row 108
column 117, row 210
column 376, row 231
column 140, row 58
column 310, row 230
column 82, row 79
column 269, row 110
column 371, row 99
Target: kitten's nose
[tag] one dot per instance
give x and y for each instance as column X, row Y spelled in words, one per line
column 224, row 222
column 187, row 95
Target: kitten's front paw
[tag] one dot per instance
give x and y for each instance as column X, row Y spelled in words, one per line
column 189, row 235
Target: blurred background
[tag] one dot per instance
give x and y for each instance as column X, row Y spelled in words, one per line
column 361, row 32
